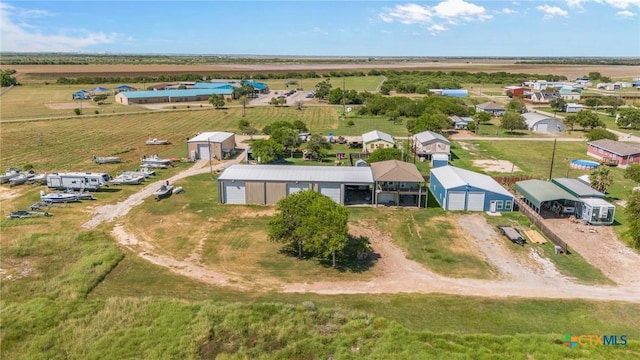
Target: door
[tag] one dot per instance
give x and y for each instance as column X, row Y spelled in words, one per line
column 294, row 188
column 235, row 193
column 476, row 201
column 456, row 200
column 332, row 191
column 203, row 151
column 542, row 127
column 492, row 206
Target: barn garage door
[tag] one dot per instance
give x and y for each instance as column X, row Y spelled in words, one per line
column 203, row 150
column 294, row 188
column 235, row 193
column 455, row 200
column 476, row 201
column 542, row 127
column 332, row 191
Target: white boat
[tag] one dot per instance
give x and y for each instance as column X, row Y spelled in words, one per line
column 158, row 142
column 154, row 166
column 127, row 179
column 82, row 195
column 22, row 178
column 178, row 190
column 38, row 179
column 58, row 197
column 164, row 191
column 156, row 160
column 106, row 159
column 8, row 175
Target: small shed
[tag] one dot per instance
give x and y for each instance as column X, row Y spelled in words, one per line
column 577, row 188
column 438, row 160
column 596, row 211
column 211, row 145
column 573, row 107
column 460, row 189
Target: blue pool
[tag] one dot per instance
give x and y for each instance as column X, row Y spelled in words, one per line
column 584, row 164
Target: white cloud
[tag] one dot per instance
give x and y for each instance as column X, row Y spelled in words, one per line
column 576, row 4
column 451, row 11
column 623, row 4
column 320, row 31
column 625, row 13
column 18, row 35
column 552, row 11
column 508, row 11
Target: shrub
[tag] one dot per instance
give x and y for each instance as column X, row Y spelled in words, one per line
column 77, row 111
column 350, row 123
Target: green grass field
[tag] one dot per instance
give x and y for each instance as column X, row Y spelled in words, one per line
column 358, row 83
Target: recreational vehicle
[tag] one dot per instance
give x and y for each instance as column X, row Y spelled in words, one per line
column 78, row 181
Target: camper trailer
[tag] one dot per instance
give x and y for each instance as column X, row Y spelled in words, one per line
column 596, row 211
column 78, row 181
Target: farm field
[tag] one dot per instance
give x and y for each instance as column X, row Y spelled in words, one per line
column 358, row 83
column 74, row 293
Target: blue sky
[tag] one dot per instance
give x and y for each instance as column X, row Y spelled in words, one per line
column 325, row 28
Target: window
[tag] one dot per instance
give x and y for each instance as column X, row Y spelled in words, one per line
column 508, row 205
column 498, row 204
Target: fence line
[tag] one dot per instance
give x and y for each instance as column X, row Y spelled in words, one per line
column 537, row 220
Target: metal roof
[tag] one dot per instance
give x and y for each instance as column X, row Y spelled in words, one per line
column 175, row 93
column 616, row 147
column 452, row 177
column 577, row 188
column 597, row 202
column 212, row 136
column 377, row 135
column 460, row 119
column 533, row 118
column 427, row 137
column 300, row 173
column 395, row 170
column 212, row 85
column 489, row 106
column 539, row 191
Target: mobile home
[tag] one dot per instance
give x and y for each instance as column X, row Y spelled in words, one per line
column 78, row 181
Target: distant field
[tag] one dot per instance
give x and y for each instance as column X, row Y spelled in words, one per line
column 69, row 144
column 358, row 83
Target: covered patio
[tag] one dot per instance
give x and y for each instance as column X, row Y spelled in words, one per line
column 546, row 198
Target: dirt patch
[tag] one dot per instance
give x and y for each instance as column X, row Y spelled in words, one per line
column 504, row 166
column 600, row 246
column 65, row 106
column 7, row 193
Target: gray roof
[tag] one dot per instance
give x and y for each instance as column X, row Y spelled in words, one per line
column 577, row 188
column 427, row 137
column 335, row 174
column 453, row 177
column 214, row 137
column 597, row 202
column 377, row 135
column 460, row 119
column 539, row 191
column 489, row 106
column 533, row 118
column 616, row 147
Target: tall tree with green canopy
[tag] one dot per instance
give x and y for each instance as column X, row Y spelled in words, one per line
column 266, row 150
column 325, row 228
column 317, row 146
column 217, row 101
column 286, row 226
column 384, row 154
column 588, row 119
column 512, row 121
column 600, row 179
column 633, row 172
column 480, row 117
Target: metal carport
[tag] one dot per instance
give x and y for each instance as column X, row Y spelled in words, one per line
column 537, row 192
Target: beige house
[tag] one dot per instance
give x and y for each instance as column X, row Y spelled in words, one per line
column 397, row 183
column 427, row 143
column 211, row 145
column 377, row 140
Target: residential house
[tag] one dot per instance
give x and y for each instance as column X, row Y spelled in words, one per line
column 427, row 143
column 491, row 108
column 543, row 97
column 460, row 122
column 569, row 93
column 398, row 183
column 614, row 152
column 377, row 140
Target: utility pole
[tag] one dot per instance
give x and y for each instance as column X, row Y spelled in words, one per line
column 553, row 156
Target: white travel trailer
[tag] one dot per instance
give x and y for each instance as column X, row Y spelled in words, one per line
column 78, row 181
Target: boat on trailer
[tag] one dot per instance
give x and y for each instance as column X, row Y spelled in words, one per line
column 22, row 178
column 128, row 179
column 154, row 160
column 106, row 159
column 155, row 141
column 164, row 191
column 8, row 175
column 58, row 197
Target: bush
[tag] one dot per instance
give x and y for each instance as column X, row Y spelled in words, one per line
column 97, row 112
column 77, row 111
column 600, row 133
column 350, row 123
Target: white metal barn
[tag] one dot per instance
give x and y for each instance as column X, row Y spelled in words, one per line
column 211, row 145
column 266, row 184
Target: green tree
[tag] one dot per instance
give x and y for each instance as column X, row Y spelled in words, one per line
column 633, row 215
column 335, row 96
column 588, row 119
column 286, row 226
column 317, row 147
column 325, row 228
column 266, row 150
column 633, row 172
column 594, row 76
column 300, row 126
column 480, row 117
column 558, row 104
column 384, row 154
column 246, row 128
column 601, row 178
column 217, row 101
column 600, row 133
column 7, row 78
column 516, row 105
column 286, row 136
column 628, row 118
column 570, row 121
column 282, row 101
column 512, row 121
column 323, row 88
column 100, row 99
column 274, row 101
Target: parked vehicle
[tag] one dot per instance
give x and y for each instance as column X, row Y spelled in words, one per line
column 21, row 214
column 78, row 181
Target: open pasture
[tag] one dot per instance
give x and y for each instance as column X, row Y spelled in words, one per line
column 69, row 144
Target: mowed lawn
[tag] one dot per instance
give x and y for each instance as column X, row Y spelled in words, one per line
column 358, row 83
column 69, row 144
